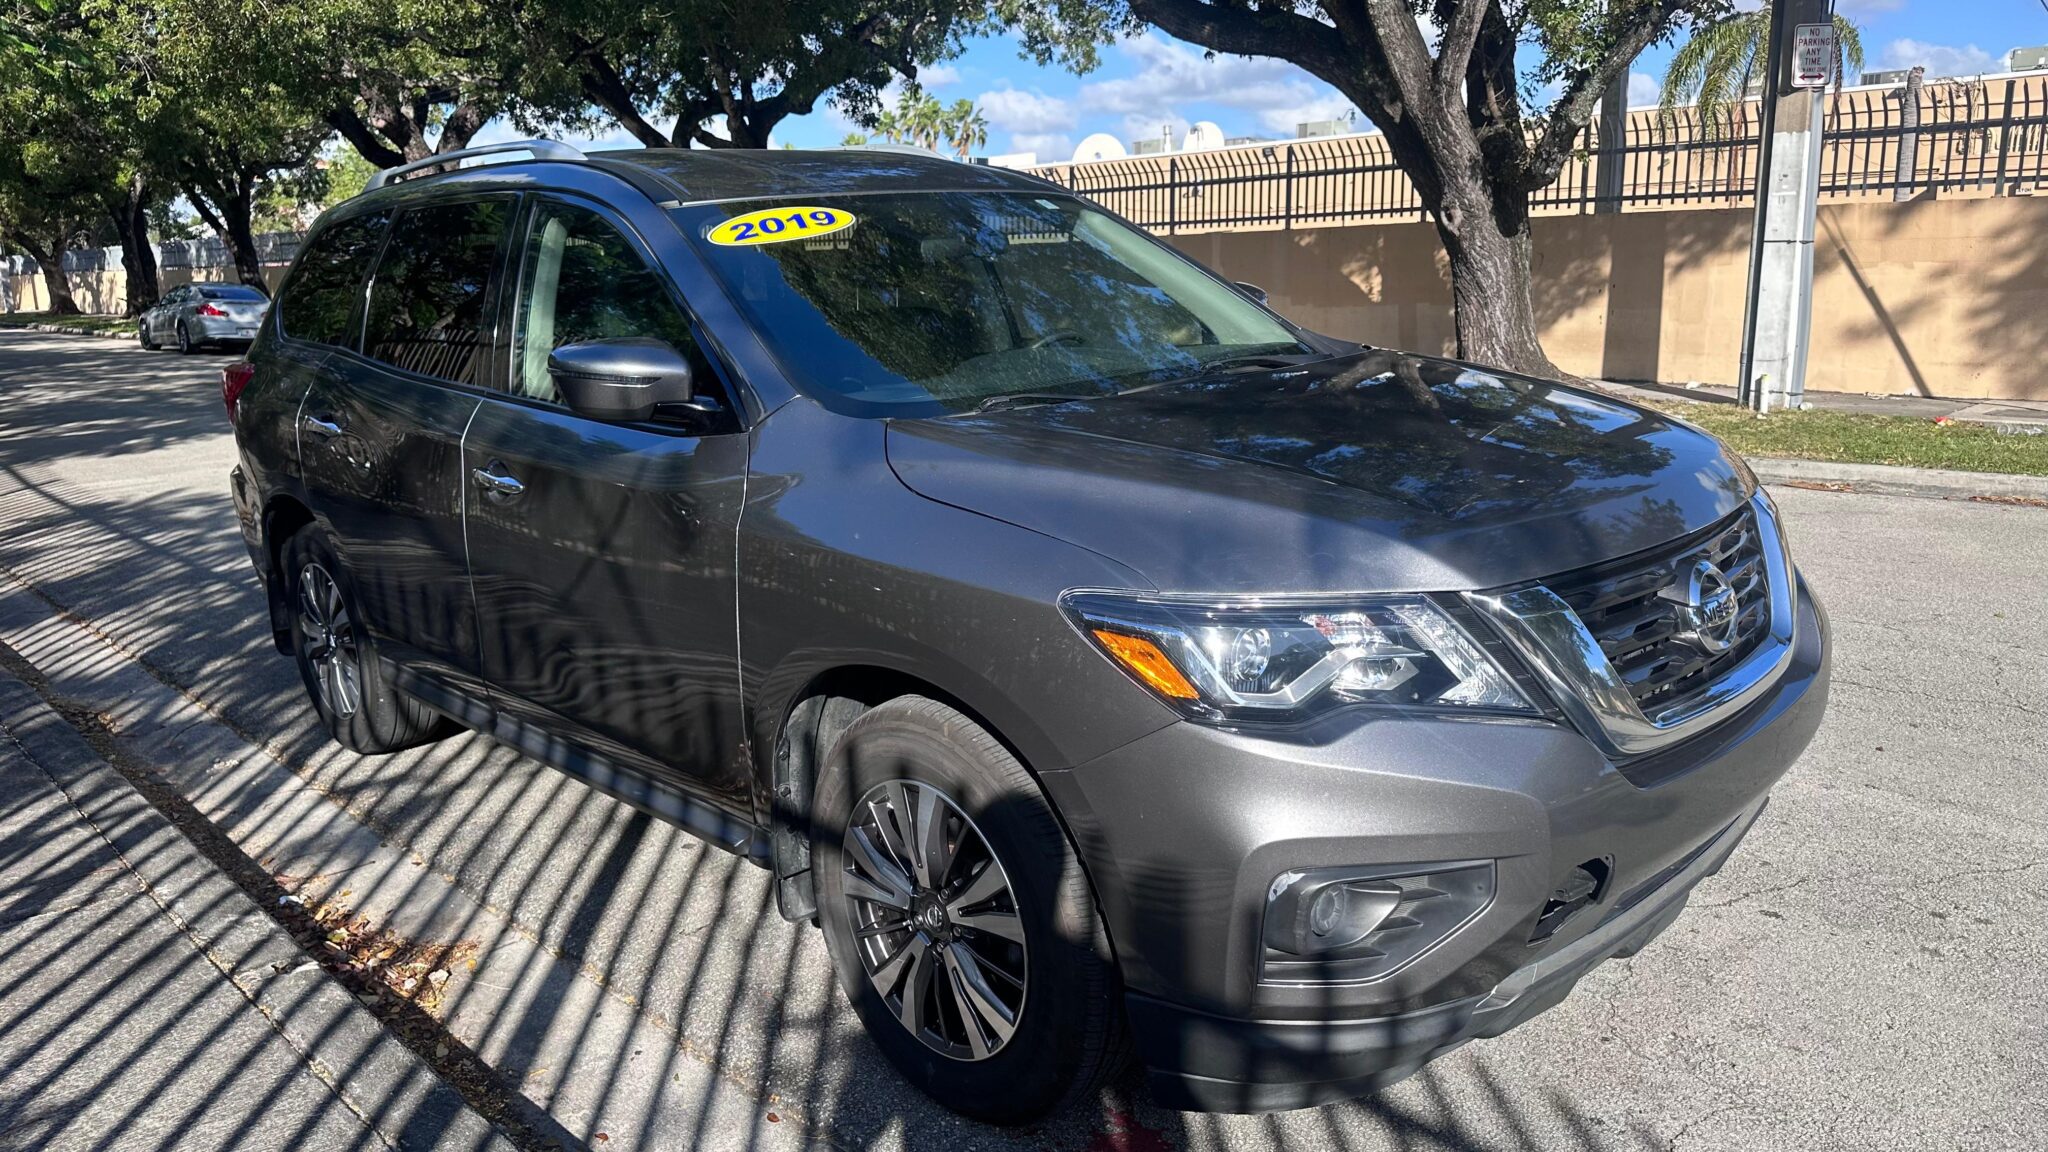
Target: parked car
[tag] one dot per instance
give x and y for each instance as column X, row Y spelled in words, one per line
column 192, row 316
column 1098, row 658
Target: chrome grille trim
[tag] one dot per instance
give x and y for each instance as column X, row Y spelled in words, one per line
column 1565, row 654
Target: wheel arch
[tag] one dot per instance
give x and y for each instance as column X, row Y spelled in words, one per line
column 283, row 517
column 809, row 722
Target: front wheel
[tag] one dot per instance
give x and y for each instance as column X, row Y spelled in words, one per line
column 142, row 334
column 959, row 921
column 338, row 661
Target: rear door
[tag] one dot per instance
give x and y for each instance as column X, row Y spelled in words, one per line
column 602, row 554
column 380, row 437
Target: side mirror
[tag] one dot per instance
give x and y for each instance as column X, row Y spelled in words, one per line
column 1252, row 290
column 621, row 380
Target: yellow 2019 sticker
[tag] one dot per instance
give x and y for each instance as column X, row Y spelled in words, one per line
column 776, row 225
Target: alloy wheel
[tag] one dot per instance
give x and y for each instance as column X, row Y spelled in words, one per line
column 329, row 634
column 935, row 920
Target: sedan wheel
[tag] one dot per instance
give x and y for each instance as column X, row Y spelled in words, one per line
column 142, row 334
column 936, row 920
column 330, row 642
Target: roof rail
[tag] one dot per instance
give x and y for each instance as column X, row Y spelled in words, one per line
column 893, row 146
column 540, row 149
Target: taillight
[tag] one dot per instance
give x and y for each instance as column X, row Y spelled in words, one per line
column 233, row 379
column 211, row 310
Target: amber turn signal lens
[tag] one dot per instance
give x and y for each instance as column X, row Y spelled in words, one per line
column 1145, row 661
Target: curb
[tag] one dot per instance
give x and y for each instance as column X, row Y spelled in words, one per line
column 388, row 1087
column 1894, row 480
column 61, row 330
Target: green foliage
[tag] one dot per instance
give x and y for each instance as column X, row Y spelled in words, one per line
column 1714, row 67
column 747, row 67
column 918, row 118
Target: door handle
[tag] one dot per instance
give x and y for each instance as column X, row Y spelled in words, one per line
column 496, row 482
column 324, row 429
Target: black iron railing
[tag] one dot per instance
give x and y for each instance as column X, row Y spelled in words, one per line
column 1969, row 137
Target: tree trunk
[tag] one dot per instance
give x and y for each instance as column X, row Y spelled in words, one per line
column 241, row 240
column 49, row 260
column 138, row 258
column 1486, row 237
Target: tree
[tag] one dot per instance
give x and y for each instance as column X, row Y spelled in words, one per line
column 924, row 118
column 966, row 128
column 1715, row 65
column 1440, row 79
column 853, row 140
column 695, row 61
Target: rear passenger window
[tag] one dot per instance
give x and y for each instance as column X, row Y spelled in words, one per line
column 431, row 295
column 320, row 300
column 581, row 280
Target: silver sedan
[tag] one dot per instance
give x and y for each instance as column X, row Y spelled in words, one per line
column 192, row 315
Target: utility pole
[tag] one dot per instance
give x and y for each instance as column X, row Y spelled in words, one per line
column 1610, row 161
column 1780, row 310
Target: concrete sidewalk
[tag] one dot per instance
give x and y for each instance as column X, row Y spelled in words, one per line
column 147, row 1003
column 2025, row 417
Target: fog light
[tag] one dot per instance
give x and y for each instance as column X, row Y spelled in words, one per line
column 1327, row 911
column 1342, row 924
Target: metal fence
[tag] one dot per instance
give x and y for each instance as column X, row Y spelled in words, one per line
column 205, row 252
column 1983, row 137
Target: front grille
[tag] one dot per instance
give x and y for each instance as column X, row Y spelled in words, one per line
column 1642, row 631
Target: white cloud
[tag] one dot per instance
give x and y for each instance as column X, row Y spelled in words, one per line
column 1642, row 89
column 1939, row 59
column 1859, row 9
column 1051, row 147
column 1030, row 112
column 1170, row 73
column 938, row 75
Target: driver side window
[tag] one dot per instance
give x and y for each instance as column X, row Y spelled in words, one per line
column 580, row 279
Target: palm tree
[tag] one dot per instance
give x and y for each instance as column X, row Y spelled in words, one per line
column 1713, row 69
column 966, row 127
column 853, row 140
column 924, row 119
column 889, row 125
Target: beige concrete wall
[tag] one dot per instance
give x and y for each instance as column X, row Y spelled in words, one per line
column 1932, row 298
column 106, row 293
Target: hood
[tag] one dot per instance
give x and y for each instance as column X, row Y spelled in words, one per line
column 1378, row 471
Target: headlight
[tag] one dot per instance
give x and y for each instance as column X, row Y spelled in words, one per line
column 1285, row 658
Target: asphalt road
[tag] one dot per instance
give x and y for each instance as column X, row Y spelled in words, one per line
column 1870, row 971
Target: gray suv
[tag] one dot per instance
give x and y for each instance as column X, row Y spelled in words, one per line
column 1099, row 659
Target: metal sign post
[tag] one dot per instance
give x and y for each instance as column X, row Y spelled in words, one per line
column 1780, row 310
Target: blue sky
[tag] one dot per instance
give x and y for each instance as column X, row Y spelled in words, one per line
column 1152, row 80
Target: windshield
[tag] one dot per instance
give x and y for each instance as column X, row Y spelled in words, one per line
column 932, row 302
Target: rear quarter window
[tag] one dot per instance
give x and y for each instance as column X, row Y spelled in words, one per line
column 319, row 302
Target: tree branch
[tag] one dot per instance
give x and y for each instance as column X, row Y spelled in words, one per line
column 607, row 89
column 363, row 139
column 1574, row 109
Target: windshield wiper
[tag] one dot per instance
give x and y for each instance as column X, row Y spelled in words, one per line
column 1231, row 364
column 1026, row 399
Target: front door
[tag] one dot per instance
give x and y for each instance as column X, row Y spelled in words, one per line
column 380, row 437
column 602, row 554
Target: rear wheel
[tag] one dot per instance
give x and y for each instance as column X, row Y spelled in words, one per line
column 185, row 344
column 959, row 921
column 338, row 661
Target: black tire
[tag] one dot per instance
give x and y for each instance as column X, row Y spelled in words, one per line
column 1068, row 1030
column 373, row 718
column 142, row 334
column 185, row 344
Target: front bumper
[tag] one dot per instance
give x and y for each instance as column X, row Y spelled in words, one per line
column 1184, row 831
